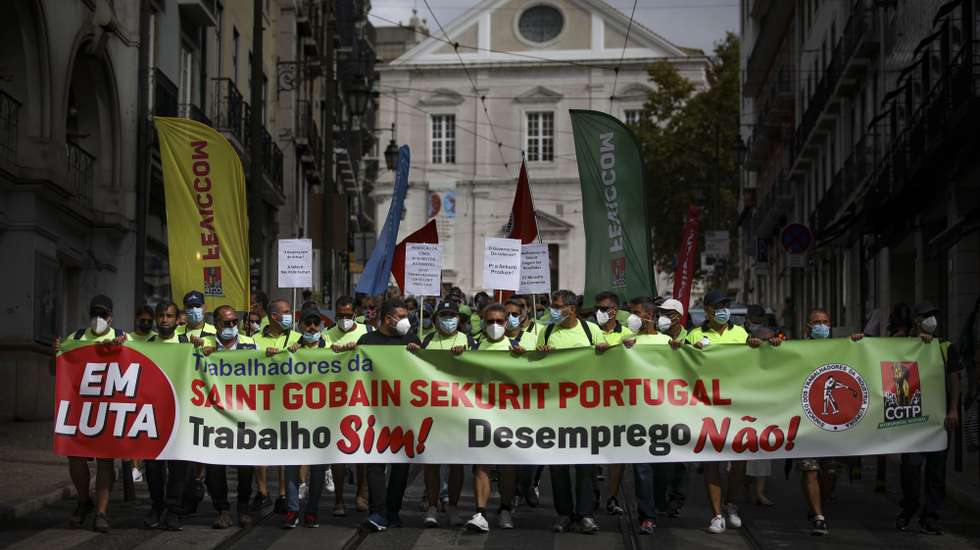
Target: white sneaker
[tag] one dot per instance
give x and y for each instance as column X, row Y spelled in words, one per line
column 717, row 525
column 304, row 491
column 478, row 523
column 505, row 519
column 328, row 481
column 453, row 513
column 431, row 518
column 733, row 520
column 137, row 475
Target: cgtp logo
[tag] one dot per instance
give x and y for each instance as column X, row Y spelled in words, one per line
column 112, row 402
column 902, row 389
column 835, row 397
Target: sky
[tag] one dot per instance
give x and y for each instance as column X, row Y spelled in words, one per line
column 688, row 23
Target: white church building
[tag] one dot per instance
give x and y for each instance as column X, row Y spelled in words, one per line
column 526, row 62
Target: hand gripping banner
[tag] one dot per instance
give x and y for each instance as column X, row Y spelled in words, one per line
column 385, row 404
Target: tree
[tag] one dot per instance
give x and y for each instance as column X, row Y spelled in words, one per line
column 687, row 136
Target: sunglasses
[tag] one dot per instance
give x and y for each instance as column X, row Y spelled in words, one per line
column 495, row 321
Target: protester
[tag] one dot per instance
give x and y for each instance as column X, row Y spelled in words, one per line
column 924, row 326
column 196, row 328
column 566, row 331
column 394, row 329
column 100, row 330
column 144, row 324
column 254, row 323
column 228, row 339
column 757, row 325
column 259, row 305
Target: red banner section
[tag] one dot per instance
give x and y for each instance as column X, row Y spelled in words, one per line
column 684, row 272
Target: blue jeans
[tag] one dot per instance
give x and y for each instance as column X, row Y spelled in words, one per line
column 646, row 504
column 316, row 488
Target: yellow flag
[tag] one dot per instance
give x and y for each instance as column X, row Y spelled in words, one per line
column 207, row 220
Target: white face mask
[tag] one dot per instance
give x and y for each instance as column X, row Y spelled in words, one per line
column 663, row 323
column 99, row 325
column 346, row 324
column 255, row 327
column 929, row 324
column 494, row 331
column 634, row 322
column 601, row 317
column 403, row 326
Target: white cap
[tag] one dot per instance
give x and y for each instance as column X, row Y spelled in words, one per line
column 673, row 305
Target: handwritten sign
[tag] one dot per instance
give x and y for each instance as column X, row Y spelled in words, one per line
column 502, row 264
column 423, row 269
column 295, row 263
column 535, row 269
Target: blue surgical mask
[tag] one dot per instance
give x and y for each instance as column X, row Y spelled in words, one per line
column 195, row 315
column 513, row 321
column 556, row 316
column 311, row 337
column 722, row 315
column 819, row 332
column 229, row 333
column 287, row 321
column 448, row 325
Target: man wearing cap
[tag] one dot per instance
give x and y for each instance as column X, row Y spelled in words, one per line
column 99, row 331
column 567, row 331
column 196, row 328
column 228, row 339
column 934, row 462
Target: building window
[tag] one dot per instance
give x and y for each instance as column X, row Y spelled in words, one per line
column 443, row 139
column 540, row 137
column 632, row 116
column 186, row 84
column 234, row 54
column 540, row 24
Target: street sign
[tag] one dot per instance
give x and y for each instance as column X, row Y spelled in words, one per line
column 796, row 261
column 716, row 244
column 796, row 238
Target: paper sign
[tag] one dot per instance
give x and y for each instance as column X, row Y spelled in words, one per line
column 502, row 264
column 423, row 269
column 295, row 263
column 535, row 269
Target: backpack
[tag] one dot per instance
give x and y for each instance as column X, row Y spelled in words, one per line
column 584, row 324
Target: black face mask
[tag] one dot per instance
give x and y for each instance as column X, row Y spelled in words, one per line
column 145, row 325
column 165, row 331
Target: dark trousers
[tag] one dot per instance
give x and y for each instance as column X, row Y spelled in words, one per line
column 166, row 480
column 216, row 478
column 646, row 485
column 527, row 477
column 934, row 481
column 583, row 500
column 386, row 499
column 670, row 482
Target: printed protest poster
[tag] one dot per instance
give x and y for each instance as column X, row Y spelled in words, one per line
column 502, row 264
column 535, row 269
column 295, row 263
column 423, row 269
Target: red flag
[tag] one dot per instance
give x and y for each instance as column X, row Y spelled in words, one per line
column 427, row 234
column 684, row 272
column 523, row 224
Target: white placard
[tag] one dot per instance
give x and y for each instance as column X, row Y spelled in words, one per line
column 796, row 261
column 423, row 269
column 502, row 264
column 295, row 263
column 535, row 269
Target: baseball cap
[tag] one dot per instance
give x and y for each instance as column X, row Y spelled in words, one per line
column 100, row 303
column 309, row 311
column 672, row 305
column 194, row 298
column 715, row 297
column 925, row 309
column 447, row 305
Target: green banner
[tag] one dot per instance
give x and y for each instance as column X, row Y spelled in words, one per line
column 386, row 404
column 614, row 206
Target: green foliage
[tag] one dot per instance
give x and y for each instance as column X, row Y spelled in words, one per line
column 687, row 137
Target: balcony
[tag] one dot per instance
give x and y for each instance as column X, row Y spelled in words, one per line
column 308, row 140
column 9, row 113
column 303, row 26
column 772, row 207
column 164, row 99
column 773, row 30
column 271, row 160
column 81, row 172
column 193, row 112
column 230, row 113
column 201, row 12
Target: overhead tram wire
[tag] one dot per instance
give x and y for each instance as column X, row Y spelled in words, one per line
column 483, row 100
column 622, row 55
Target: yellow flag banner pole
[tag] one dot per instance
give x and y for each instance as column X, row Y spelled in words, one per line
column 207, row 220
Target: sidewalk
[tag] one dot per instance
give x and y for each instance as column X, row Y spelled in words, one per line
column 34, row 476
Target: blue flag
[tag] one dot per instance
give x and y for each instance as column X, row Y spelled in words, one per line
column 374, row 280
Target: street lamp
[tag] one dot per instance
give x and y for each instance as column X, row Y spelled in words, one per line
column 740, row 151
column 357, row 98
column 391, row 152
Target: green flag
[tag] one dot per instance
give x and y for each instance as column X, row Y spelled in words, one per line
column 617, row 235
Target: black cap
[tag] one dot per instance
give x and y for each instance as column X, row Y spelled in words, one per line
column 755, row 310
column 309, row 311
column 715, row 297
column 447, row 305
column 925, row 309
column 194, row 298
column 100, row 302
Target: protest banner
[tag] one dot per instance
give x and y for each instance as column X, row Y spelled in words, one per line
column 535, row 269
column 295, row 263
column 386, row 404
column 502, row 264
column 423, row 269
